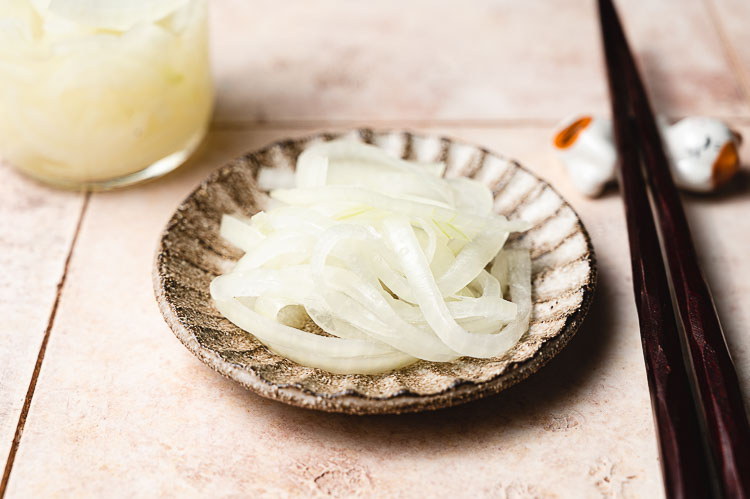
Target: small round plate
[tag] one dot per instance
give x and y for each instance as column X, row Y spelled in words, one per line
column 191, row 253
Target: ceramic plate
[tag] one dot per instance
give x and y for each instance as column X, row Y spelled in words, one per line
column 191, row 254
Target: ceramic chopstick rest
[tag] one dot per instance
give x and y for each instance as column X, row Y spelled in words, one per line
column 585, row 145
column 704, row 152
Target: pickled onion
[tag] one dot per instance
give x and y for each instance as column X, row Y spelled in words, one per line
column 393, row 263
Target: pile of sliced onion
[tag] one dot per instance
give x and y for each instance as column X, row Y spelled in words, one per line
column 392, row 261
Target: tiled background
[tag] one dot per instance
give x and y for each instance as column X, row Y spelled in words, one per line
column 114, row 406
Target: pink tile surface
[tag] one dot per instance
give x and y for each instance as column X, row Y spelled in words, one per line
column 536, row 59
column 137, row 414
column 36, row 227
column 120, row 397
column 123, row 409
column 731, row 18
column 682, row 58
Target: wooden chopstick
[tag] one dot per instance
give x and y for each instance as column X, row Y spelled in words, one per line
column 684, row 466
column 722, row 407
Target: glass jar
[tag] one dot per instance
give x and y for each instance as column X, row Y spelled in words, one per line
column 102, row 97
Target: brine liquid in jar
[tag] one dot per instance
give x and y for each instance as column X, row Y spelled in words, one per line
column 102, row 93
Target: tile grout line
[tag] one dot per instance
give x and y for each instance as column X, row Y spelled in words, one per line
column 729, row 51
column 228, row 125
column 240, row 125
column 40, row 357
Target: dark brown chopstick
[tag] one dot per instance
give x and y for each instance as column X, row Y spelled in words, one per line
column 726, row 421
column 722, row 405
column 684, row 466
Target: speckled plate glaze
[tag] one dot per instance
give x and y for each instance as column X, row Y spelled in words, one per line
column 191, row 254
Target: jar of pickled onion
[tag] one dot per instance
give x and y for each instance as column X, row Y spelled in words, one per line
column 96, row 94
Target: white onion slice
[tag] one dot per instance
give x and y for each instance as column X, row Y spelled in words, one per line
column 240, row 232
column 453, row 223
column 381, row 254
column 336, row 355
column 356, row 164
column 275, row 178
column 401, row 237
column 471, row 196
column 280, row 249
column 471, row 260
column 347, row 294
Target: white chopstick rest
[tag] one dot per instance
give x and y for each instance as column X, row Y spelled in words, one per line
column 585, row 146
column 703, row 152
